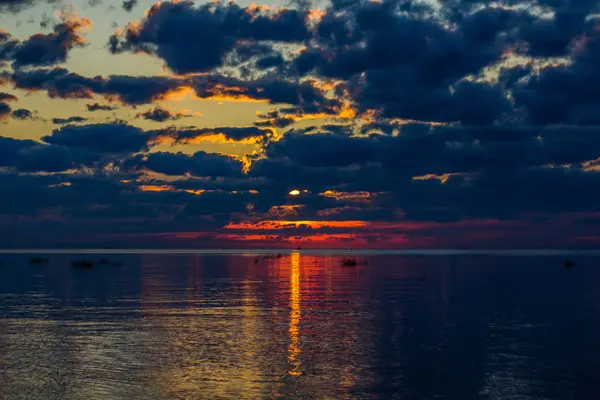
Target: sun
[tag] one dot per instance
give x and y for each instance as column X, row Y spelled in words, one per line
column 294, row 192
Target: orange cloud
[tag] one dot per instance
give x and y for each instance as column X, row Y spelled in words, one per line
column 356, row 197
column 218, row 137
column 442, row 178
column 178, row 94
column 157, row 188
column 285, row 210
column 316, row 14
column 169, row 188
column 283, row 224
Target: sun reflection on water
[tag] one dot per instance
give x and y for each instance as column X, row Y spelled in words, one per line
column 294, row 348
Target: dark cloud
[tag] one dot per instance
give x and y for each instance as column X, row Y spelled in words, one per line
column 60, row 83
column 7, row 97
column 421, row 150
column 15, row 6
column 233, row 133
column 197, row 164
column 516, row 194
column 103, row 138
column 548, row 36
column 561, row 94
column 30, row 156
column 275, row 60
column 276, row 119
column 22, row 114
column 128, row 5
column 160, row 115
column 100, row 107
column 5, row 111
column 196, row 38
column 307, row 96
column 53, row 48
column 45, row 21
column 324, row 150
column 426, row 79
column 69, row 120
column 7, row 46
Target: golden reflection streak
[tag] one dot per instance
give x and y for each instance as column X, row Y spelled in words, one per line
column 294, row 327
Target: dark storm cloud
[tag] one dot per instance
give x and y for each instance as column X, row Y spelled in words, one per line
column 60, row 83
column 140, row 90
column 421, row 150
column 136, row 90
column 306, row 95
column 505, row 196
column 69, row 120
column 102, row 138
column 30, row 156
column 49, row 49
column 282, row 175
column 562, row 94
column 159, row 115
column 324, row 150
column 423, row 78
column 197, row 164
column 196, row 38
column 22, row 114
column 365, row 38
column 471, row 103
column 33, row 194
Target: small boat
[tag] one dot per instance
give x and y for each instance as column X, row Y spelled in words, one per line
column 38, row 260
column 106, row 261
column 82, row 264
column 349, row 262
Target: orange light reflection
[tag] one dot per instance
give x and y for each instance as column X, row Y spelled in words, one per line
column 294, row 348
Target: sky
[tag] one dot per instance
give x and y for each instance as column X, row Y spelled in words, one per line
column 326, row 124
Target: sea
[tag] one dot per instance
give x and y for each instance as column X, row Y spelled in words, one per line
column 302, row 324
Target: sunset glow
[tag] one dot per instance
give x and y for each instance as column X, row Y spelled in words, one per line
column 299, row 123
column 277, row 224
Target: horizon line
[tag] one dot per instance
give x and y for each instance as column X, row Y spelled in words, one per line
column 308, row 251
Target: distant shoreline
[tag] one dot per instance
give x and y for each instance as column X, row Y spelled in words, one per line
column 416, row 252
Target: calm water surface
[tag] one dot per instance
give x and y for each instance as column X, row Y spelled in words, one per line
column 300, row 326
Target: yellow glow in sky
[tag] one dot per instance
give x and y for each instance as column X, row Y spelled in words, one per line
column 294, row 192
